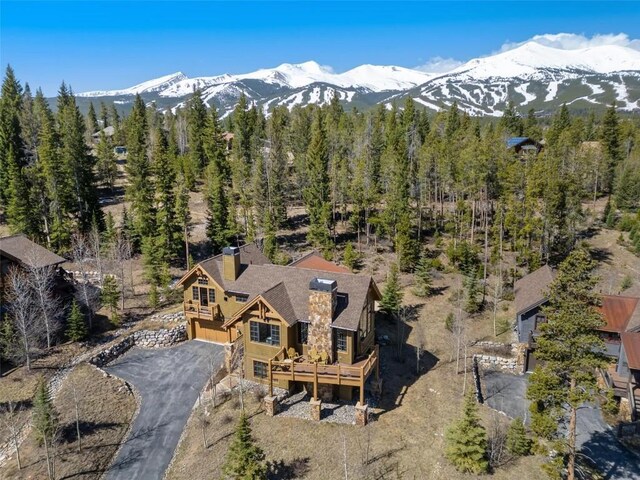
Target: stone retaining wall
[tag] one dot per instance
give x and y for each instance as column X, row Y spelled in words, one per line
column 143, row 338
column 493, row 362
column 161, row 338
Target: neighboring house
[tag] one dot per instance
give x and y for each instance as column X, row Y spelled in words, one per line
column 524, row 145
column 108, row 132
column 313, row 307
column 530, row 297
column 19, row 251
column 621, row 332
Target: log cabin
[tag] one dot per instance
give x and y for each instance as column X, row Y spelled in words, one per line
column 307, row 325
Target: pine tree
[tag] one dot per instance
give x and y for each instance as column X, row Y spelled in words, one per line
column 109, row 297
column 76, row 326
column 316, row 195
column 183, row 214
column 45, row 417
column 570, row 348
column 196, row 124
column 169, row 231
column 270, row 243
column 106, row 166
column 10, row 131
column 77, row 162
column 245, row 460
column 466, row 441
column 92, row 121
column 422, row 277
column 277, row 164
column 517, row 441
column 218, row 215
column 610, row 137
column 392, row 294
column 104, row 116
column 140, row 189
column 351, row 258
column 472, row 303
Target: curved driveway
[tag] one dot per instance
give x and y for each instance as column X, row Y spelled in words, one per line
column 168, row 381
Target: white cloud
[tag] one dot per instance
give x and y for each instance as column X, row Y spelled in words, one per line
column 439, row 65
column 573, row 41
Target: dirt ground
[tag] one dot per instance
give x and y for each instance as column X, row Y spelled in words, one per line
column 105, row 407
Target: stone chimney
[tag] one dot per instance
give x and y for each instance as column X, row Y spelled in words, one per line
column 230, row 263
column 322, row 305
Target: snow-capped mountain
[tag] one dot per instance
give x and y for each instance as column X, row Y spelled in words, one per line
column 531, row 75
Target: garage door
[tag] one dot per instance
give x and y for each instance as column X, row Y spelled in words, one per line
column 210, row 331
column 532, row 361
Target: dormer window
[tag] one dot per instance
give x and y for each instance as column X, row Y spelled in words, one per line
column 242, row 298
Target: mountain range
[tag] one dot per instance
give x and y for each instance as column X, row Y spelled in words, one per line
column 531, row 75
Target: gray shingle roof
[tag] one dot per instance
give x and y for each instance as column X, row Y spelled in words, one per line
column 530, row 290
column 286, row 288
column 19, row 248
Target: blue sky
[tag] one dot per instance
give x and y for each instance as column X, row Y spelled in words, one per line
column 107, row 44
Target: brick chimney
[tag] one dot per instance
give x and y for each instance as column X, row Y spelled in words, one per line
column 322, row 305
column 230, row 263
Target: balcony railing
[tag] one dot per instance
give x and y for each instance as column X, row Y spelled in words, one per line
column 210, row 312
column 304, row 370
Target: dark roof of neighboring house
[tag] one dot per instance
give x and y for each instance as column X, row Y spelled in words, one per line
column 617, row 312
column 631, row 343
column 515, row 141
column 286, row 288
column 20, row 249
column 531, row 289
column 314, row 261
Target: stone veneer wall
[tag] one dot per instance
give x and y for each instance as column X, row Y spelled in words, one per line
column 320, row 319
column 143, row 338
column 513, row 364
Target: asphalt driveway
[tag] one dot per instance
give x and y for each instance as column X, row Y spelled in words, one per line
column 507, row 393
column 168, row 381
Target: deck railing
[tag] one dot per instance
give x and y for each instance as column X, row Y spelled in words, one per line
column 210, row 312
column 281, row 368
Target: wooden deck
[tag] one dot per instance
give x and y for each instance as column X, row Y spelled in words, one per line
column 622, row 388
column 304, row 370
column 205, row 313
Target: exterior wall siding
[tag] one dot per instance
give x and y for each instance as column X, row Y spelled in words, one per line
column 527, row 323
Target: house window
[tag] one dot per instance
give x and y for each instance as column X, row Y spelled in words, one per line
column 341, row 341
column 195, row 293
column 203, row 281
column 303, row 332
column 264, row 333
column 212, row 295
column 540, row 319
column 260, row 369
column 242, row 298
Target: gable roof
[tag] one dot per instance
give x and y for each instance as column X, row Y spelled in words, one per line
column 617, row 312
column 20, row 249
column 631, row 344
column 315, row 261
column 530, row 291
column 287, row 287
column 250, row 254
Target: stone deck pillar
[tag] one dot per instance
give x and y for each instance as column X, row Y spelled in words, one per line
column 362, row 414
column 271, row 405
column 316, row 409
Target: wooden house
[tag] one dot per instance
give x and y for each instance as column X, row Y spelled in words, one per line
column 308, row 325
column 621, row 332
column 19, row 251
column 524, row 146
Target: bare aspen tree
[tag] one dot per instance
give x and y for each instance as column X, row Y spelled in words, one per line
column 94, row 242
column 22, row 310
column 80, row 252
column 76, row 406
column 14, row 424
column 42, row 280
